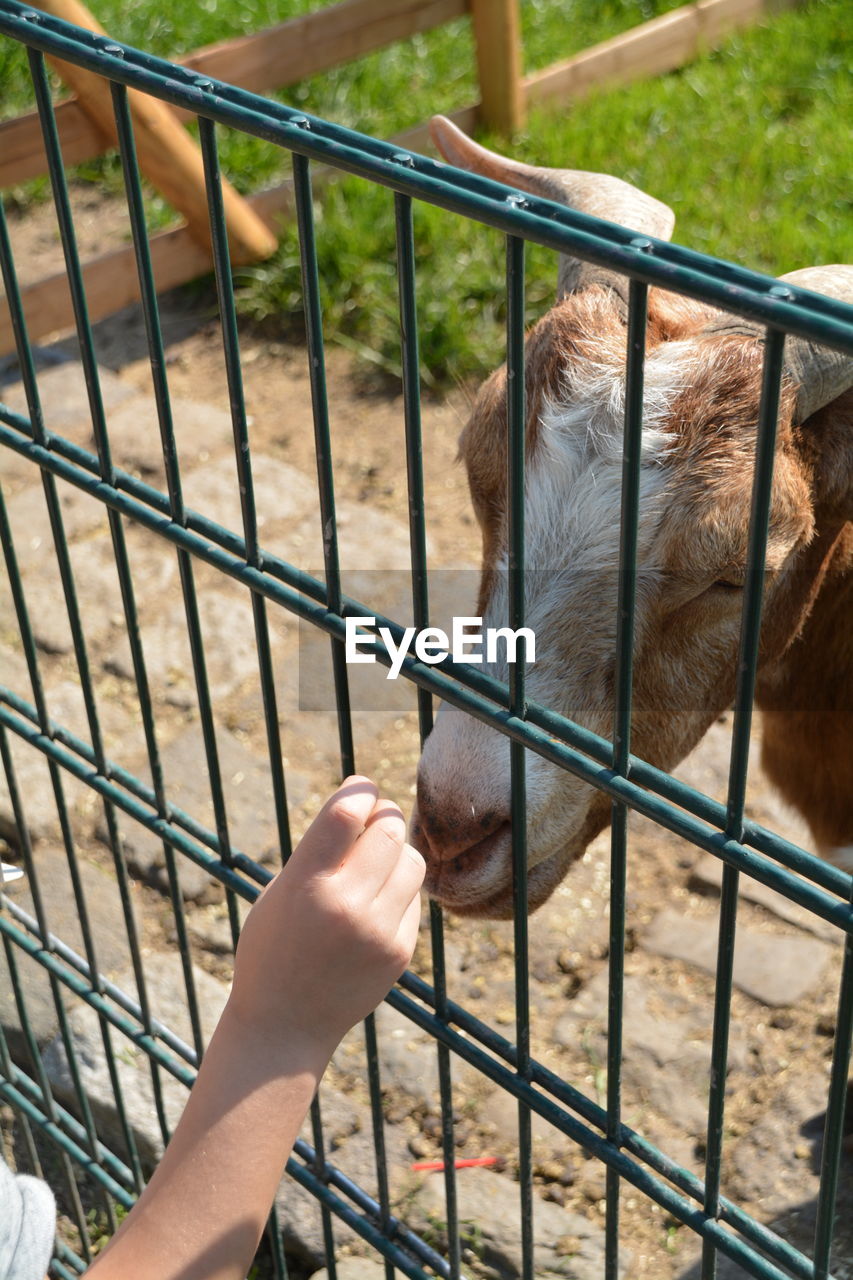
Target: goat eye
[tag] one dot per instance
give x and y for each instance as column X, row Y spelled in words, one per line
column 729, row 584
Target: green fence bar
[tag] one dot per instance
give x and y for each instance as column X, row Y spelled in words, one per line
column 516, row 437
column 91, row 1171
column 623, row 681
column 410, row 364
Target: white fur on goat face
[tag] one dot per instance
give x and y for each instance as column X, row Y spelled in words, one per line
column 573, row 500
column 573, row 496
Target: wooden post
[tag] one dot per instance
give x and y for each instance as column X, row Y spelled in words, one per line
column 498, row 40
column 167, row 154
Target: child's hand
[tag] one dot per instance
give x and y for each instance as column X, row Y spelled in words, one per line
column 330, row 935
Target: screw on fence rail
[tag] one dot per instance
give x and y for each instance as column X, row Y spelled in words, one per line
column 626, row 607
column 410, row 361
column 768, row 413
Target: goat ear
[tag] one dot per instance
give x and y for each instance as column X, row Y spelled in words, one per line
column 821, row 374
column 597, row 194
column 822, row 378
column 825, row 394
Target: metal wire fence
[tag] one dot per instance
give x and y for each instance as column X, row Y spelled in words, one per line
column 116, row 1170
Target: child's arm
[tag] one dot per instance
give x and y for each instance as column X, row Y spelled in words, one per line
column 319, row 950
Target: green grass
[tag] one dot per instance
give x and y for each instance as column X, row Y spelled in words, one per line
column 750, row 145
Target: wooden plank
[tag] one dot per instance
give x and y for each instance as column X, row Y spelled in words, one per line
column 317, row 41
column 259, row 62
column 167, row 154
column 110, row 282
column 498, row 43
column 653, row 48
column 22, row 153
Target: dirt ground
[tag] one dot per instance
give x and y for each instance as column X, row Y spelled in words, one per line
column 783, row 1053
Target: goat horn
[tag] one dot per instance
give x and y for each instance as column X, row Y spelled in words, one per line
column 820, row 373
column 597, row 194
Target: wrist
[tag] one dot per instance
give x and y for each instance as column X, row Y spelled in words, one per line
column 284, row 1045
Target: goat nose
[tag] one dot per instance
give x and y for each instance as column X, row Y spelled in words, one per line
column 448, row 826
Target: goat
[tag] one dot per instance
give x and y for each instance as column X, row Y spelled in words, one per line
column 703, row 374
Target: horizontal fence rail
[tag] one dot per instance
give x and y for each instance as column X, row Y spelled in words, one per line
column 97, row 1175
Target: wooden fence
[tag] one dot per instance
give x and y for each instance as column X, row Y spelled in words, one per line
column 282, row 55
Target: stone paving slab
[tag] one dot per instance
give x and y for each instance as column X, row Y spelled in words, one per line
column 708, row 873
column 201, row 430
column 35, row 786
column 164, row 979
column 707, row 769
column 774, row 970
column 108, row 928
column 354, row 1269
column 566, row 1244
column 666, row 1046
column 228, row 634
column 155, row 579
column 28, row 515
column 249, row 803
column 288, row 511
column 64, row 399
column 97, row 590
column 65, row 707
column 282, row 494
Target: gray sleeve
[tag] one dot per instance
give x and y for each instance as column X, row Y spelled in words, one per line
column 27, row 1225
